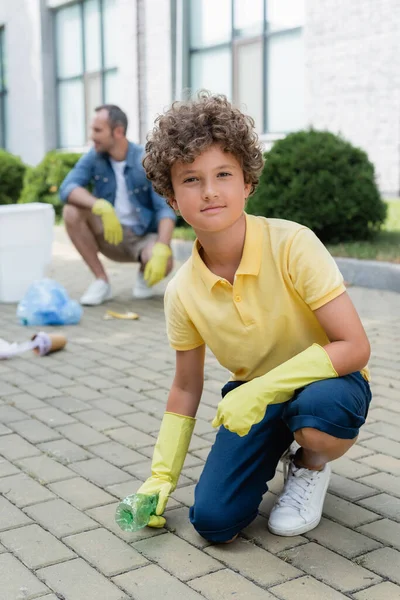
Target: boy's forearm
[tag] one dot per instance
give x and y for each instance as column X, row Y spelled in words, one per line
column 348, row 357
column 184, row 401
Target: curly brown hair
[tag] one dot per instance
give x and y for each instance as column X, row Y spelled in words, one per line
column 188, row 128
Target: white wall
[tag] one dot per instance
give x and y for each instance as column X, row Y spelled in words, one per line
column 353, row 77
column 25, row 124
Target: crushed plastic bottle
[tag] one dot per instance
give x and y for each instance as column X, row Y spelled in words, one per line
column 134, row 512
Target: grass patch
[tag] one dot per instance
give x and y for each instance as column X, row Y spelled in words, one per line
column 385, row 246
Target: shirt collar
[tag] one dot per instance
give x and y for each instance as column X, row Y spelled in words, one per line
column 251, row 258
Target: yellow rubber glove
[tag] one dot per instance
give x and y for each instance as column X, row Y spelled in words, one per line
column 113, row 233
column 245, row 406
column 169, row 455
column 156, row 268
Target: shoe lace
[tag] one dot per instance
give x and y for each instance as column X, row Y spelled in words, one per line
column 299, row 486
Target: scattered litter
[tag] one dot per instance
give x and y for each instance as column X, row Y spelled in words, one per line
column 41, row 343
column 129, row 316
column 47, row 303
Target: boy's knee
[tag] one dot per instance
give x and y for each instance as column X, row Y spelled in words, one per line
column 216, row 523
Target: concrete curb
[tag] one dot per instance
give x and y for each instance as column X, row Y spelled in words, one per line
column 363, row 273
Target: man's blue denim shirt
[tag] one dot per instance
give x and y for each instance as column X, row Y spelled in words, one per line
column 95, row 168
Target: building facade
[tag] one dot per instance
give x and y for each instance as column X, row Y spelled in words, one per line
column 290, row 64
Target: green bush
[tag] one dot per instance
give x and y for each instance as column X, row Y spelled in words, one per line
column 12, row 171
column 319, row 180
column 41, row 183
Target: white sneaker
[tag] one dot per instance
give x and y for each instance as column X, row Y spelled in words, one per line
column 141, row 289
column 98, row 292
column 299, row 507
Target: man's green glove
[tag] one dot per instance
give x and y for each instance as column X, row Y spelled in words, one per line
column 113, row 233
column 245, row 406
column 169, row 455
column 156, row 268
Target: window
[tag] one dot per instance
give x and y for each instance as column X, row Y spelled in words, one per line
column 86, row 41
column 251, row 51
column 3, row 90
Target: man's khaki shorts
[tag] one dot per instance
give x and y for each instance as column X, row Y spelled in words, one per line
column 129, row 250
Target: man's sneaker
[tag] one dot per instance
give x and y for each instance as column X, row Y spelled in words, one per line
column 299, row 507
column 98, row 292
column 141, row 289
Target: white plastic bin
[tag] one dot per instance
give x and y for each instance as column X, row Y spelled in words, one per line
column 26, row 238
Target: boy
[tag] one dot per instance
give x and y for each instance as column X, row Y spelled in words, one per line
column 269, row 301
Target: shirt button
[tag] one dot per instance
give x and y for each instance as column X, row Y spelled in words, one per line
column 105, row 179
column 145, row 188
column 238, row 298
column 130, row 192
column 136, row 190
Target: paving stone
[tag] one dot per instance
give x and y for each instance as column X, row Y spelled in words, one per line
column 98, row 419
column 225, row 585
column 60, row 518
column 117, row 454
column 306, row 588
column 384, row 429
column 385, row 505
column 105, row 515
column 350, row 468
column 384, row 445
column 95, row 382
column 15, row 447
column 106, row 552
column 258, row 532
column 124, row 395
column 55, row 380
column 382, row 462
column 386, row 531
column 347, row 513
column 179, row 524
column 152, row 407
column 149, row 582
column 185, row 495
column 34, row 431
column 11, row 516
column 384, row 482
column 342, row 540
column 82, row 434
column 65, row 451
column 9, row 414
column 4, row 430
column 177, row 556
column 68, row 404
column 100, row 472
column 254, row 563
column 42, row 391
column 113, row 407
column 136, row 384
column 35, row 547
column 76, row 580
column 26, row 402
column 6, row 468
column 385, row 562
column 7, row 390
column 81, row 493
column 80, row 392
column 22, row 490
column 142, row 422
column 45, row 469
column 332, row 569
column 133, row 438
column 17, row 581
column 53, row 417
column 350, row 490
column 382, row 591
column 70, row 371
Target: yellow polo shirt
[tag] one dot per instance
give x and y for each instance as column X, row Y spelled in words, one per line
column 266, row 316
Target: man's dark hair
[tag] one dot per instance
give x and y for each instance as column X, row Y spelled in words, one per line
column 116, row 116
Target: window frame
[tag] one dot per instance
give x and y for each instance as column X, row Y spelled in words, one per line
column 3, row 90
column 234, row 43
column 85, row 75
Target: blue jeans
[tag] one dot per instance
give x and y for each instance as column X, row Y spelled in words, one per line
column 234, row 478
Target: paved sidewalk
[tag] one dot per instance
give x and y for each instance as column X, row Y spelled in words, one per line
column 76, row 435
